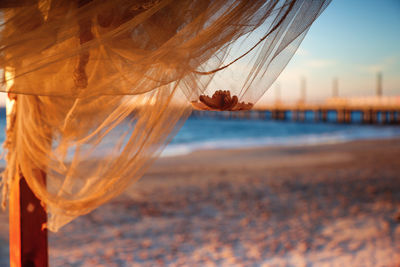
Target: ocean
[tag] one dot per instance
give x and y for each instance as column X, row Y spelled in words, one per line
column 202, row 133
column 217, row 133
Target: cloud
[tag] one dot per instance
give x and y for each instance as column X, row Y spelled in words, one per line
column 384, row 65
column 320, row 63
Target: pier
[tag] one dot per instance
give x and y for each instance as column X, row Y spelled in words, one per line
column 376, row 109
column 334, row 113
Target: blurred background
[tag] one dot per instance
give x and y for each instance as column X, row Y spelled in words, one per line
column 310, row 177
column 350, row 44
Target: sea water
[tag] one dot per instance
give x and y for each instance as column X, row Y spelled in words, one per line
column 202, row 133
column 218, row 133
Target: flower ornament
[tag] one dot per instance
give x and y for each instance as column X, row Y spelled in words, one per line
column 221, row 101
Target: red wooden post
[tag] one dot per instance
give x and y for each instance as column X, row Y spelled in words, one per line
column 28, row 239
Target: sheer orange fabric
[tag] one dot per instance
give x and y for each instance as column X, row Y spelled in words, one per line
column 102, row 86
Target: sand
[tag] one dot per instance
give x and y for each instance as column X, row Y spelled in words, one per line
column 325, row 205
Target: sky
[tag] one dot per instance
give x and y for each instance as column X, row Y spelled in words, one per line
column 352, row 40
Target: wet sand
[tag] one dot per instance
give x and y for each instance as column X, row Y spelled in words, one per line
column 325, row 205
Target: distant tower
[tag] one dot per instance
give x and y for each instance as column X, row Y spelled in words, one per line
column 303, row 89
column 335, row 87
column 379, row 84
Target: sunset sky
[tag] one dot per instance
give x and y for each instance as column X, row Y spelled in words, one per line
column 352, row 40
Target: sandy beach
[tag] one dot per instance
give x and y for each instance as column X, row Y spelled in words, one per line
column 323, row 205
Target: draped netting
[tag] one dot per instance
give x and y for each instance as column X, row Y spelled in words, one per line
column 101, row 86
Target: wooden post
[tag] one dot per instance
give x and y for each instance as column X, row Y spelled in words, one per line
column 391, row 117
column 374, row 117
column 28, row 239
column 339, row 116
column 317, row 115
column 364, row 116
column 383, row 117
column 295, row 115
column 324, row 115
column 347, row 116
column 282, row 115
column 302, row 115
column 367, row 116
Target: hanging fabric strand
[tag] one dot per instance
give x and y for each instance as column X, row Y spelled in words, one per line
column 103, row 86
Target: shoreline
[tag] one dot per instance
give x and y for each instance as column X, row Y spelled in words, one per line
column 268, row 151
column 279, row 146
column 176, row 150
